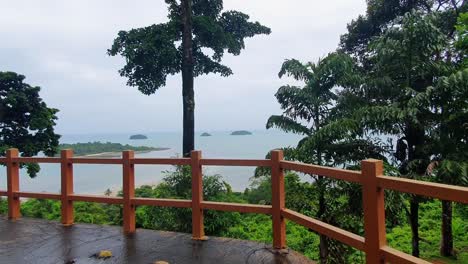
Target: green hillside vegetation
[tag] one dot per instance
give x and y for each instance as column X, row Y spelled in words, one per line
column 138, row 136
column 241, row 133
column 82, row 149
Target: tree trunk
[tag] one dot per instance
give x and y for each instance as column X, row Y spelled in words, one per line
column 323, row 247
column 414, row 221
column 446, row 246
column 187, row 80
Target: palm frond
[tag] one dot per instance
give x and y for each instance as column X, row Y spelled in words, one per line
column 287, row 124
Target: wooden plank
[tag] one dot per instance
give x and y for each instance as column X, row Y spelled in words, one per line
column 37, row 160
column 429, row 189
column 96, row 199
column 13, row 184
column 96, row 161
column 158, row 161
column 66, row 176
column 237, row 207
column 335, row 173
column 3, row 160
column 162, row 202
column 325, row 229
column 128, row 175
column 277, row 200
column 3, row 193
column 374, row 210
column 198, row 228
column 394, row 256
column 42, row 195
column 236, row 162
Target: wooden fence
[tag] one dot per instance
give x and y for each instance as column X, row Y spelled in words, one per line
column 371, row 179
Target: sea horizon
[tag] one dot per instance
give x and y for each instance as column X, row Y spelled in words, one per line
column 96, row 179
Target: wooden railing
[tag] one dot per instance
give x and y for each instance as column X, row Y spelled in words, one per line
column 371, row 179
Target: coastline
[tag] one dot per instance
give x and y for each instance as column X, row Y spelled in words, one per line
column 116, row 154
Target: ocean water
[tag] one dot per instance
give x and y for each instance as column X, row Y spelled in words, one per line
column 95, row 179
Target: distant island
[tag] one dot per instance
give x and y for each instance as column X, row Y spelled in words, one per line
column 138, row 136
column 241, row 133
column 205, row 135
column 107, row 149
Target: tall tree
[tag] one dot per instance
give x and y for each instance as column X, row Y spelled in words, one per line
column 397, row 67
column 26, row 122
column 179, row 45
column 306, row 110
column 448, row 101
column 412, row 63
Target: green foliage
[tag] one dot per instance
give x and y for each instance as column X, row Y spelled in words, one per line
column 400, row 237
column 412, row 88
column 406, row 82
column 81, row 149
column 177, row 185
column 154, row 52
column 26, row 123
column 380, row 14
column 308, row 111
column 462, row 37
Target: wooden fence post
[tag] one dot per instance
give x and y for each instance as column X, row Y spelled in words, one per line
column 66, row 186
column 128, row 192
column 13, row 184
column 277, row 200
column 198, row 230
column 374, row 211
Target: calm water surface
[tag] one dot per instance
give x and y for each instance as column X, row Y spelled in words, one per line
column 95, row 179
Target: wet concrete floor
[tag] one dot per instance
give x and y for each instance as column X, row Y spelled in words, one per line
column 40, row 241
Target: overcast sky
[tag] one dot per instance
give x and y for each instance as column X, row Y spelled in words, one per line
column 61, row 46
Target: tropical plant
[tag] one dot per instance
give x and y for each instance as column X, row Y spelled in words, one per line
column 306, row 110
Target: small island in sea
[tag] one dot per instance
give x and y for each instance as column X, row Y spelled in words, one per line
column 205, row 134
column 138, row 136
column 108, row 149
column 241, row 133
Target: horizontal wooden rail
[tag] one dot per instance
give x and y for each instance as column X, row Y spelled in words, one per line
column 100, row 161
column 236, row 207
column 429, row 189
column 236, row 162
column 158, row 161
column 162, row 202
column 36, row 160
column 394, row 256
column 371, row 178
column 42, row 195
column 325, row 229
column 338, row 174
column 96, row 198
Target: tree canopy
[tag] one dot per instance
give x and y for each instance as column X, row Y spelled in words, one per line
column 154, row 52
column 26, row 122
